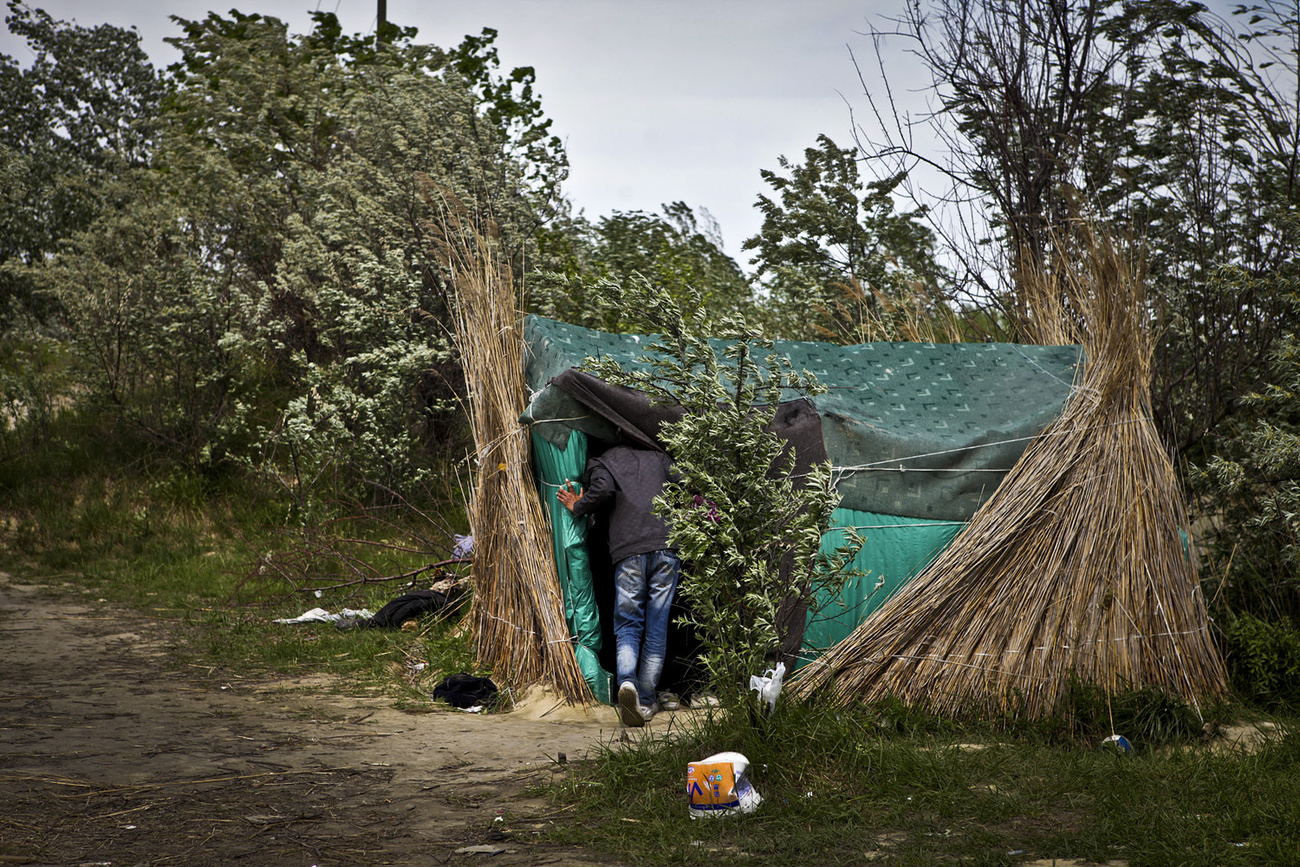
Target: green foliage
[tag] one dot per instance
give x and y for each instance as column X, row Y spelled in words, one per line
column 834, row 252
column 1251, row 487
column 73, row 119
column 150, row 325
column 746, row 523
column 1156, row 117
column 1147, row 718
column 1263, row 660
column 87, row 95
column 1217, row 148
column 678, row 251
column 258, row 285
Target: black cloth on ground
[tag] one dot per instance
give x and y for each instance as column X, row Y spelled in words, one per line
column 466, row 690
column 409, row 606
column 406, row 607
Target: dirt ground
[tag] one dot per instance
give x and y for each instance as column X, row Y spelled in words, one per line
column 109, row 756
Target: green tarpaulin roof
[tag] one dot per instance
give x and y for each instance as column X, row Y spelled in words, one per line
column 925, row 430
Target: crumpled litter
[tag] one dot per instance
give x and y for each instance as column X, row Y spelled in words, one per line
column 322, row 616
column 482, row 849
column 769, row 685
column 718, row 786
column 464, row 547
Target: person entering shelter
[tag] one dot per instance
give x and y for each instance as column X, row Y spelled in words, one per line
column 646, row 569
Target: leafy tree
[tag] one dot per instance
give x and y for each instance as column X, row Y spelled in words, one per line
column 1214, row 188
column 746, row 524
column 1257, row 558
column 515, row 111
column 835, row 254
column 1148, row 115
column 264, row 289
column 1253, row 543
column 78, row 114
column 679, row 251
column 70, row 121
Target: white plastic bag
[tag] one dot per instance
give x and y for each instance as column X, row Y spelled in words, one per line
column 769, row 685
column 718, row 786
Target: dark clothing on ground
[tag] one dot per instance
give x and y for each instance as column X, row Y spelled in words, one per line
column 630, row 479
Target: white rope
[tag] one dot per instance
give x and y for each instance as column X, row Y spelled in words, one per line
column 898, row 526
column 882, row 464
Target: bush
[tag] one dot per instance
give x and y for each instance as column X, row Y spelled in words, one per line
column 1263, row 660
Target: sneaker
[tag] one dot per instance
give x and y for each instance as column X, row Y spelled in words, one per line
column 629, row 706
column 670, row 701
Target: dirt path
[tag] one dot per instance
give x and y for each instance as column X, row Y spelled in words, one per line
column 108, row 756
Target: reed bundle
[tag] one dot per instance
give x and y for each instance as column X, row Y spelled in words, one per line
column 1076, row 566
column 516, row 616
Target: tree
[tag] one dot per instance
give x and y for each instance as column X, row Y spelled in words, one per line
column 1149, row 116
column 747, row 524
column 1214, row 189
column 265, row 290
column 1260, row 479
column 834, row 252
column 679, row 251
column 78, row 115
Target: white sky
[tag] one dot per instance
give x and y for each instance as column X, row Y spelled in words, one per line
column 657, row 100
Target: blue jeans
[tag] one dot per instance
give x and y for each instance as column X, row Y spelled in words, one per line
column 644, row 586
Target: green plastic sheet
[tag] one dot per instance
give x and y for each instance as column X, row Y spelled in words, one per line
column 919, row 434
column 894, row 550
column 554, row 465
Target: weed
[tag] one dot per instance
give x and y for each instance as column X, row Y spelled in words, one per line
column 1264, row 660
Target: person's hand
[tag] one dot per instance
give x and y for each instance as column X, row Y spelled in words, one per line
column 567, row 495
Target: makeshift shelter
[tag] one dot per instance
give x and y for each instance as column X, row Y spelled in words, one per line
column 920, row 435
column 1078, row 566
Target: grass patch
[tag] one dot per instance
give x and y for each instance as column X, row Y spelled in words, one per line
column 841, row 788
column 216, row 557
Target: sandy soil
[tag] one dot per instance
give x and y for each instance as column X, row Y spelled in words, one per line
column 109, row 756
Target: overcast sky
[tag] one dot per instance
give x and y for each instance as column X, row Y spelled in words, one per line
column 657, row 100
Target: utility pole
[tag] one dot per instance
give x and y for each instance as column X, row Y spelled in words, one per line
column 380, row 19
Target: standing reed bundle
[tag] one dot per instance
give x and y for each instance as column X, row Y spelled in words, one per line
column 1076, row 566
column 516, row 616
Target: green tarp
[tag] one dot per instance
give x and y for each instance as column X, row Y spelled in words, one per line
column 895, row 548
column 920, row 435
column 554, row 465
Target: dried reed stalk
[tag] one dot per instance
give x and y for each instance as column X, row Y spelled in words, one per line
column 516, row 615
column 1075, row 566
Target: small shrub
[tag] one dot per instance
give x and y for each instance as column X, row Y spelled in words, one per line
column 1263, row 660
column 1147, row 717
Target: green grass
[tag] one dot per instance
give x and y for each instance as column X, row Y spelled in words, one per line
column 839, row 788
column 218, row 559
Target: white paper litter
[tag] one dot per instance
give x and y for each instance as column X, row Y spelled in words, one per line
column 323, row 616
